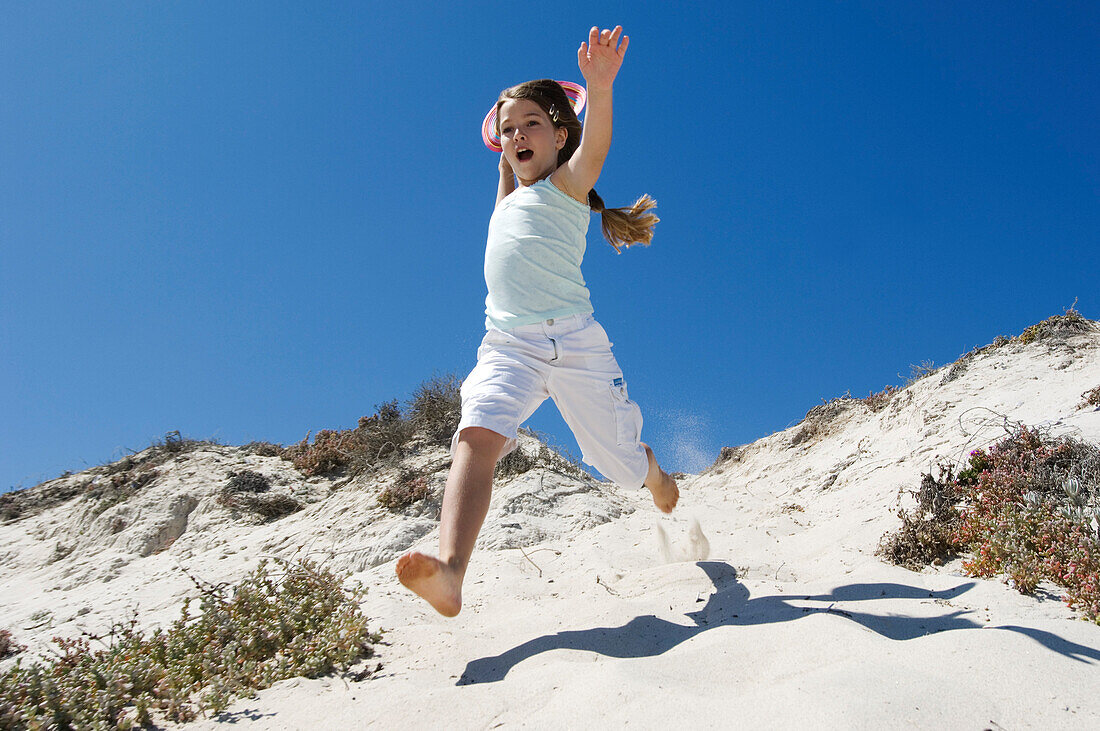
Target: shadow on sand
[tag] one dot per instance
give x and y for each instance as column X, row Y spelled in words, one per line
column 730, row 605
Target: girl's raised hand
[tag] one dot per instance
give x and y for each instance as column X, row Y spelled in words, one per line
column 600, row 57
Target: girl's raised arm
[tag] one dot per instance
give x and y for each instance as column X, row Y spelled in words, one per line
column 599, row 60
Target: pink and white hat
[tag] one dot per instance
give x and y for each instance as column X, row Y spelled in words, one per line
column 489, row 135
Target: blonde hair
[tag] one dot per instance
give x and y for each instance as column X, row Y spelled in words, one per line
column 622, row 227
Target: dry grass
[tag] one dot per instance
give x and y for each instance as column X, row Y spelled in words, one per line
column 8, row 646
column 878, row 401
column 247, row 491
column 410, row 488
column 820, row 417
column 549, row 456
column 925, row 535
column 435, row 408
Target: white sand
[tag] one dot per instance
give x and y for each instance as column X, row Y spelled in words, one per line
column 790, row 620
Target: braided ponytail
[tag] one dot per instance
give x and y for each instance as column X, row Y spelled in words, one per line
column 622, row 227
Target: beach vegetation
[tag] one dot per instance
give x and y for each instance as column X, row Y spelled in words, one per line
column 8, row 645
column 1057, row 327
column 818, row 419
column 285, row 619
column 1027, row 508
column 877, row 401
column 926, row 535
column 265, row 449
column 436, row 407
column 410, row 487
column 516, row 462
column 918, row 371
column 247, row 481
column 391, row 432
column 378, row 437
column 248, row 491
column 553, row 457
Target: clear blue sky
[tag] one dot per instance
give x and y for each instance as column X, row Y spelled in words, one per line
column 246, row 221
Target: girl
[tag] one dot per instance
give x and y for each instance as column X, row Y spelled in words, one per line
column 541, row 339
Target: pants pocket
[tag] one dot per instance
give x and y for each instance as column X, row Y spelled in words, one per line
column 493, row 338
column 627, row 414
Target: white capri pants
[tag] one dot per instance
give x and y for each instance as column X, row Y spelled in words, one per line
column 568, row 359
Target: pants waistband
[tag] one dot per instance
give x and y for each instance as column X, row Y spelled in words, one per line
column 557, row 325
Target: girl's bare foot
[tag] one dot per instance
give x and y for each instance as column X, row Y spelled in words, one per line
column 665, row 492
column 432, row 580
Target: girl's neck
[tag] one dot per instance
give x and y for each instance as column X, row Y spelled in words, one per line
column 528, row 183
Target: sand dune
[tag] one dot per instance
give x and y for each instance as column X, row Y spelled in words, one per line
column 578, row 613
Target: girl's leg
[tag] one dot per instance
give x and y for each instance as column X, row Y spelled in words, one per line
column 589, row 390
column 465, row 504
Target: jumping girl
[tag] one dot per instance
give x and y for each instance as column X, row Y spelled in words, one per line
column 541, row 338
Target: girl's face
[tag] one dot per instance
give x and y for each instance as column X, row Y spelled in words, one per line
column 530, row 140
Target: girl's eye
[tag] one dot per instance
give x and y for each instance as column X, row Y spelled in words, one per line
column 506, row 130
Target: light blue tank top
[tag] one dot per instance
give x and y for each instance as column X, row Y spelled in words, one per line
column 533, row 257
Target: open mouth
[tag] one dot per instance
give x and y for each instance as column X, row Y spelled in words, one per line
column 525, row 155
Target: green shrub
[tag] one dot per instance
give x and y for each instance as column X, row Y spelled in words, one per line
column 300, row 622
column 1028, row 508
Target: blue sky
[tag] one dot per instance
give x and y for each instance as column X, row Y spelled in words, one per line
column 246, row 221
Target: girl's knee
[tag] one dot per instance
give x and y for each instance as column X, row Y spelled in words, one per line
column 482, row 441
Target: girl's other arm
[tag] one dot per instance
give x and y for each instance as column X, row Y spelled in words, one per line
column 599, row 60
column 507, row 182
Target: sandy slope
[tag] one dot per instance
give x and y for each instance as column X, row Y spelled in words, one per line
column 790, row 619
